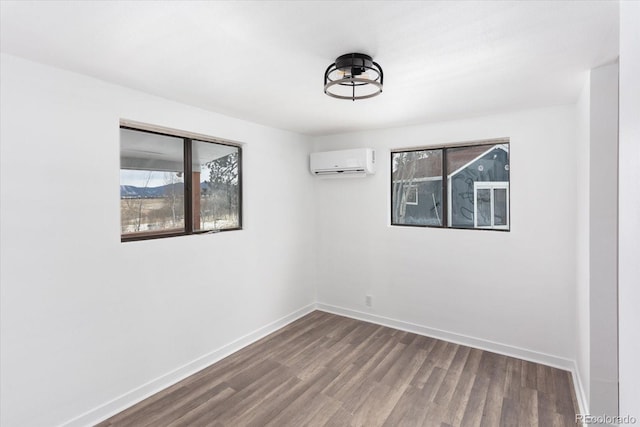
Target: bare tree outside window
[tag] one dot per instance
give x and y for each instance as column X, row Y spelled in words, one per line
column 416, row 187
column 219, row 186
column 173, row 197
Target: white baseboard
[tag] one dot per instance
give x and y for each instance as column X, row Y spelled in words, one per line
column 581, row 396
column 479, row 343
column 134, row 396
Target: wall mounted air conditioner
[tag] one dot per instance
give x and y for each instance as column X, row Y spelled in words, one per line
column 344, row 163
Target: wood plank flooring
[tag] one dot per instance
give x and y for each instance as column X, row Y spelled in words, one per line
column 328, row 370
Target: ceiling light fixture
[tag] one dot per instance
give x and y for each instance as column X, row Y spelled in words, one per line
column 353, row 76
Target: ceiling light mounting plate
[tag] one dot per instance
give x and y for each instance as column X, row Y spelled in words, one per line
column 353, row 76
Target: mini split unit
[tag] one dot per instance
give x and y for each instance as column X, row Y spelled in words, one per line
column 344, row 163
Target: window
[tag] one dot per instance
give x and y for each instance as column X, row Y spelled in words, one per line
column 172, row 185
column 454, row 186
column 412, row 195
column 491, row 201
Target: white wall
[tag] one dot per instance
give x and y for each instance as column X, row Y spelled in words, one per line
column 583, row 333
column 85, row 318
column 515, row 289
column 629, row 210
column 603, row 240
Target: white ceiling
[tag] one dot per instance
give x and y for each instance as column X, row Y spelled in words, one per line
column 264, row 61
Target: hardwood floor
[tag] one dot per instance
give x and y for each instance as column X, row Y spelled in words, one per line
column 328, row 370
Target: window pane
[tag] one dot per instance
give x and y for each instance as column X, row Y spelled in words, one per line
column 483, row 199
column 465, row 167
column 151, row 183
column 500, row 206
column 216, row 199
column 417, row 187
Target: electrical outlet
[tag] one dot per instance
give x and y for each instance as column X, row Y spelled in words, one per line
column 368, row 300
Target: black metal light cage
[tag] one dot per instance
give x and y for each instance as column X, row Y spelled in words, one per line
column 353, row 65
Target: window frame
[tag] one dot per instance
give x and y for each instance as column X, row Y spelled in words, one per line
column 187, row 145
column 445, row 184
